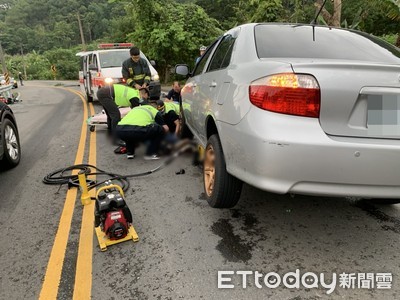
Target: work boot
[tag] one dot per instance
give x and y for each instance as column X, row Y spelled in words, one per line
column 120, row 150
column 120, row 143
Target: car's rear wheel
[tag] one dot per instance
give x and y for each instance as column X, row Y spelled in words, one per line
column 11, row 146
column 386, row 201
column 222, row 189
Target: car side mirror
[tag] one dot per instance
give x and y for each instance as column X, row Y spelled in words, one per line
column 153, row 63
column 93, row 67
column 182, row 70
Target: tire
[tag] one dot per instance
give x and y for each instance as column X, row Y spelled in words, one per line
column 385, row 201
column 11, row 145
column 92, row 128
column 88, row 97
column 222, row 189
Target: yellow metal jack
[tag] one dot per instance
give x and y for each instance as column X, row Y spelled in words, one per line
column 201, row 152
column 102, row 237
column 85, row 197
column 104, row 241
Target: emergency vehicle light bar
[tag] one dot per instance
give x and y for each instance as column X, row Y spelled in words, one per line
column 115, row 45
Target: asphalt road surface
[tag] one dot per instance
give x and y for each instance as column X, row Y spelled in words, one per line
column 335, row 248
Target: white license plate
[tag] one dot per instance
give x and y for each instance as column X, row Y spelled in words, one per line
column 383, row 114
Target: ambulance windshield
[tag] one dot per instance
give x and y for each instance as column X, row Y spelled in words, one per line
column 113, row 59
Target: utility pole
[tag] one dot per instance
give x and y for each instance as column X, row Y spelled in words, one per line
column 23, row 61
column 81, row 31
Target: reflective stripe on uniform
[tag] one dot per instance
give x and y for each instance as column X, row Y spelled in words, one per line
column 139, row 77
column 140, row 116
column 171, row 106
column 123, row 93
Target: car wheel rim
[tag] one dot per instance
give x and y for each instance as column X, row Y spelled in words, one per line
column 11, row 143
column 209, row 170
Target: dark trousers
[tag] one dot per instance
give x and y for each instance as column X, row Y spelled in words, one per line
column 106, row 98
column 132, row 135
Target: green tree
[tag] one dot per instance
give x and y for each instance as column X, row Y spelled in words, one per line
column 259, row 10
column 394, row 14
column 65, row 60
column 298, row 11
column 169, row 32
column 222, row 10
column 37, row 66
column 394, row 10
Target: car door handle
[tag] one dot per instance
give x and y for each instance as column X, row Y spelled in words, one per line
column 213, row 84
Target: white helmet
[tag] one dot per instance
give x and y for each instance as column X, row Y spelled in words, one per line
column 203, row 48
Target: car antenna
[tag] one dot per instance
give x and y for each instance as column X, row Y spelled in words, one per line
column 314, row 22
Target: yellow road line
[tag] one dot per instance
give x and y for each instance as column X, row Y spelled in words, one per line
column 83, row 275
column 54, row 267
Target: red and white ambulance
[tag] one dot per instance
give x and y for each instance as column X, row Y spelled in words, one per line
column 104, row 66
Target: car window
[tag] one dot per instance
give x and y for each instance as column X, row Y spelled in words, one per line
column 322, row 42
column 93, row 60
column 200, row 66
column 223, row 53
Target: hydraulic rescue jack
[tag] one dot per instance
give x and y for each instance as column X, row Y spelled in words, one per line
column 113, row 218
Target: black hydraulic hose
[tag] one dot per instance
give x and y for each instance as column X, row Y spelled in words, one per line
column 165, row 163
column 73, row 180
column 51, row 178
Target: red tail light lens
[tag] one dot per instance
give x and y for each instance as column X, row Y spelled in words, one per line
column 287, row 93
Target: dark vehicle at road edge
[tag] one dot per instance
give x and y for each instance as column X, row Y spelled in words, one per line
column 10, row 148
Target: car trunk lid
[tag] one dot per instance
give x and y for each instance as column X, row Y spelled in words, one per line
column 357, row 99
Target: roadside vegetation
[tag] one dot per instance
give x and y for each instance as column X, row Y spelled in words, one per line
column 37, row 34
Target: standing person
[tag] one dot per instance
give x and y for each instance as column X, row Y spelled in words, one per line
column 141, row 124
column 135, row 70
column 174, row 94
column 202, row 50
column 112, row 96
column 20, row 77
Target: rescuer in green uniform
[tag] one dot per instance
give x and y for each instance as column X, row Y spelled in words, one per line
column 170, row 113
column 112, row 96
column 135, row 70
column 142, row 123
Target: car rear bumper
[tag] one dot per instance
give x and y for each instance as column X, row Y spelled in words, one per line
column 288, row 154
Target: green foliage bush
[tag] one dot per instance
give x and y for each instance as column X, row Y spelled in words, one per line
column 390, row 38
column 38, row 66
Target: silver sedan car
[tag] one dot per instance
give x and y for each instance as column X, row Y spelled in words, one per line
column 299, row 109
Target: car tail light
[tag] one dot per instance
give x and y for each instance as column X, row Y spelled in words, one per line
column 287, row 93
